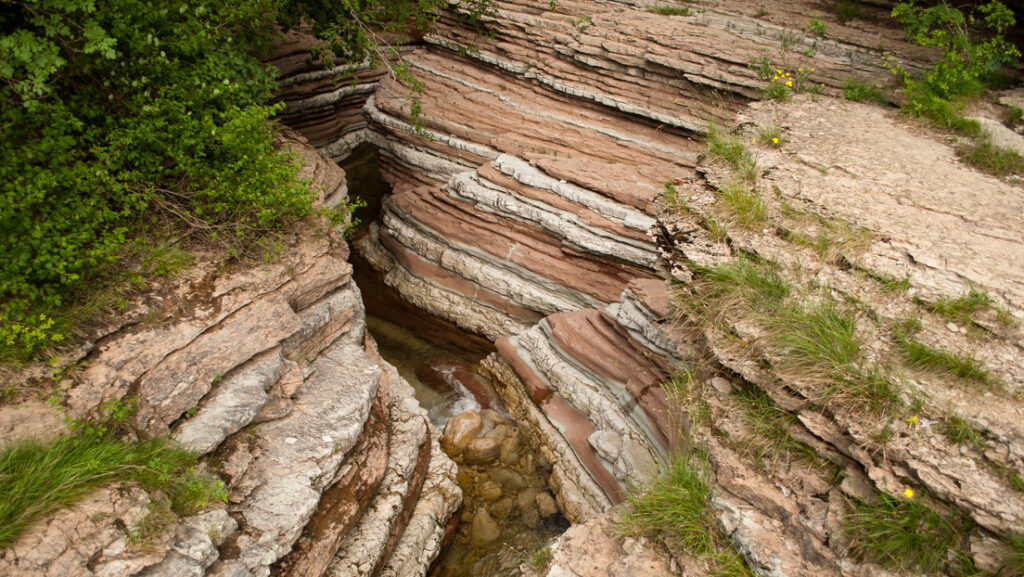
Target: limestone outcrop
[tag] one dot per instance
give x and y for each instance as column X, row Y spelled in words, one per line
column 331, row 466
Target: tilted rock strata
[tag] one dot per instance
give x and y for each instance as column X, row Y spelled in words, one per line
column 590, row 393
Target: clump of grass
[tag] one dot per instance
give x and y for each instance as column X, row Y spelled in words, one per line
column 943, row 113
column 744, row 204
column 891, row 284
column 873, row 389
column 818, row 341
column 675, row 508
column 541, row 558
column 859, row 91
column 762, row 66
column 904, row 534
column 961, row 309
column 731, row 150
column 770, row 428
column 1013, row 116
column 960, row 432
column 988, row 157
column 847, row 10
column 1015, row 562
column 771, row 135
column 742, row 287
column 716, row 229
column 777, row 91
column 670, row 10
column 674, row 199
column 37, row 478
column 922, row 356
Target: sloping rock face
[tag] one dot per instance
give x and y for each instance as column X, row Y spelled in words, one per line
column 331, row 466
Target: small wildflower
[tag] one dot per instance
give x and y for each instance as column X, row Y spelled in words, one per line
column 775, row 140
column 912, row 421
column 909, row 493
column 754, row 140
column 789, row 83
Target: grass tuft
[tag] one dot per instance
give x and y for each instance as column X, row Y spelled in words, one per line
column 1015, row 562
column 37, row 478
column 759, row 284
column 731, row 150
column 891, row 284
column 922, row 356
column 859, row 91
column 988, row 157
column 962, row 309
column 818, row 341
column 771, row 135
column 778, row 92
column 673, row 199
column 960, row 432
column 902, row 534
column 744, row 204
column 670, row 10
column 675, row 507
column 541, row 558
column 770, row 427
column 847, row 10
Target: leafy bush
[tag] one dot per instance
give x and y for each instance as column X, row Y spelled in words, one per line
column 968, row 59
column 114, row 113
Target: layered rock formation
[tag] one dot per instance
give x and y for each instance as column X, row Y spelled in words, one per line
column 330, row 464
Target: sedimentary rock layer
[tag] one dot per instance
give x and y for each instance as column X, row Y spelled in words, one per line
column 587, row 386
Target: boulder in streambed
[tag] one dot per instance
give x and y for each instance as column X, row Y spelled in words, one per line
column 484, row 530
column 459, row 431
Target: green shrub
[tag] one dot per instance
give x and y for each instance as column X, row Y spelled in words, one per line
column 815, row 26
column 969, row 60
column 115, row 113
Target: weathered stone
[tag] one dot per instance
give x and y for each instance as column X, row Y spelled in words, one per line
column 484, row 530
column 490, row 491
column 481, row 451
column 546, row 504
column 459, row 431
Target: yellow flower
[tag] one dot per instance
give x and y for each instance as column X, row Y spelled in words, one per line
column 912, row 421
column 789, row 83
column 775, row 140
column 909, row 493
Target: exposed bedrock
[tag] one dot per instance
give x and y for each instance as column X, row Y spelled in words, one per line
column 585, row 386
column 331, row 466
column 526, row 184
